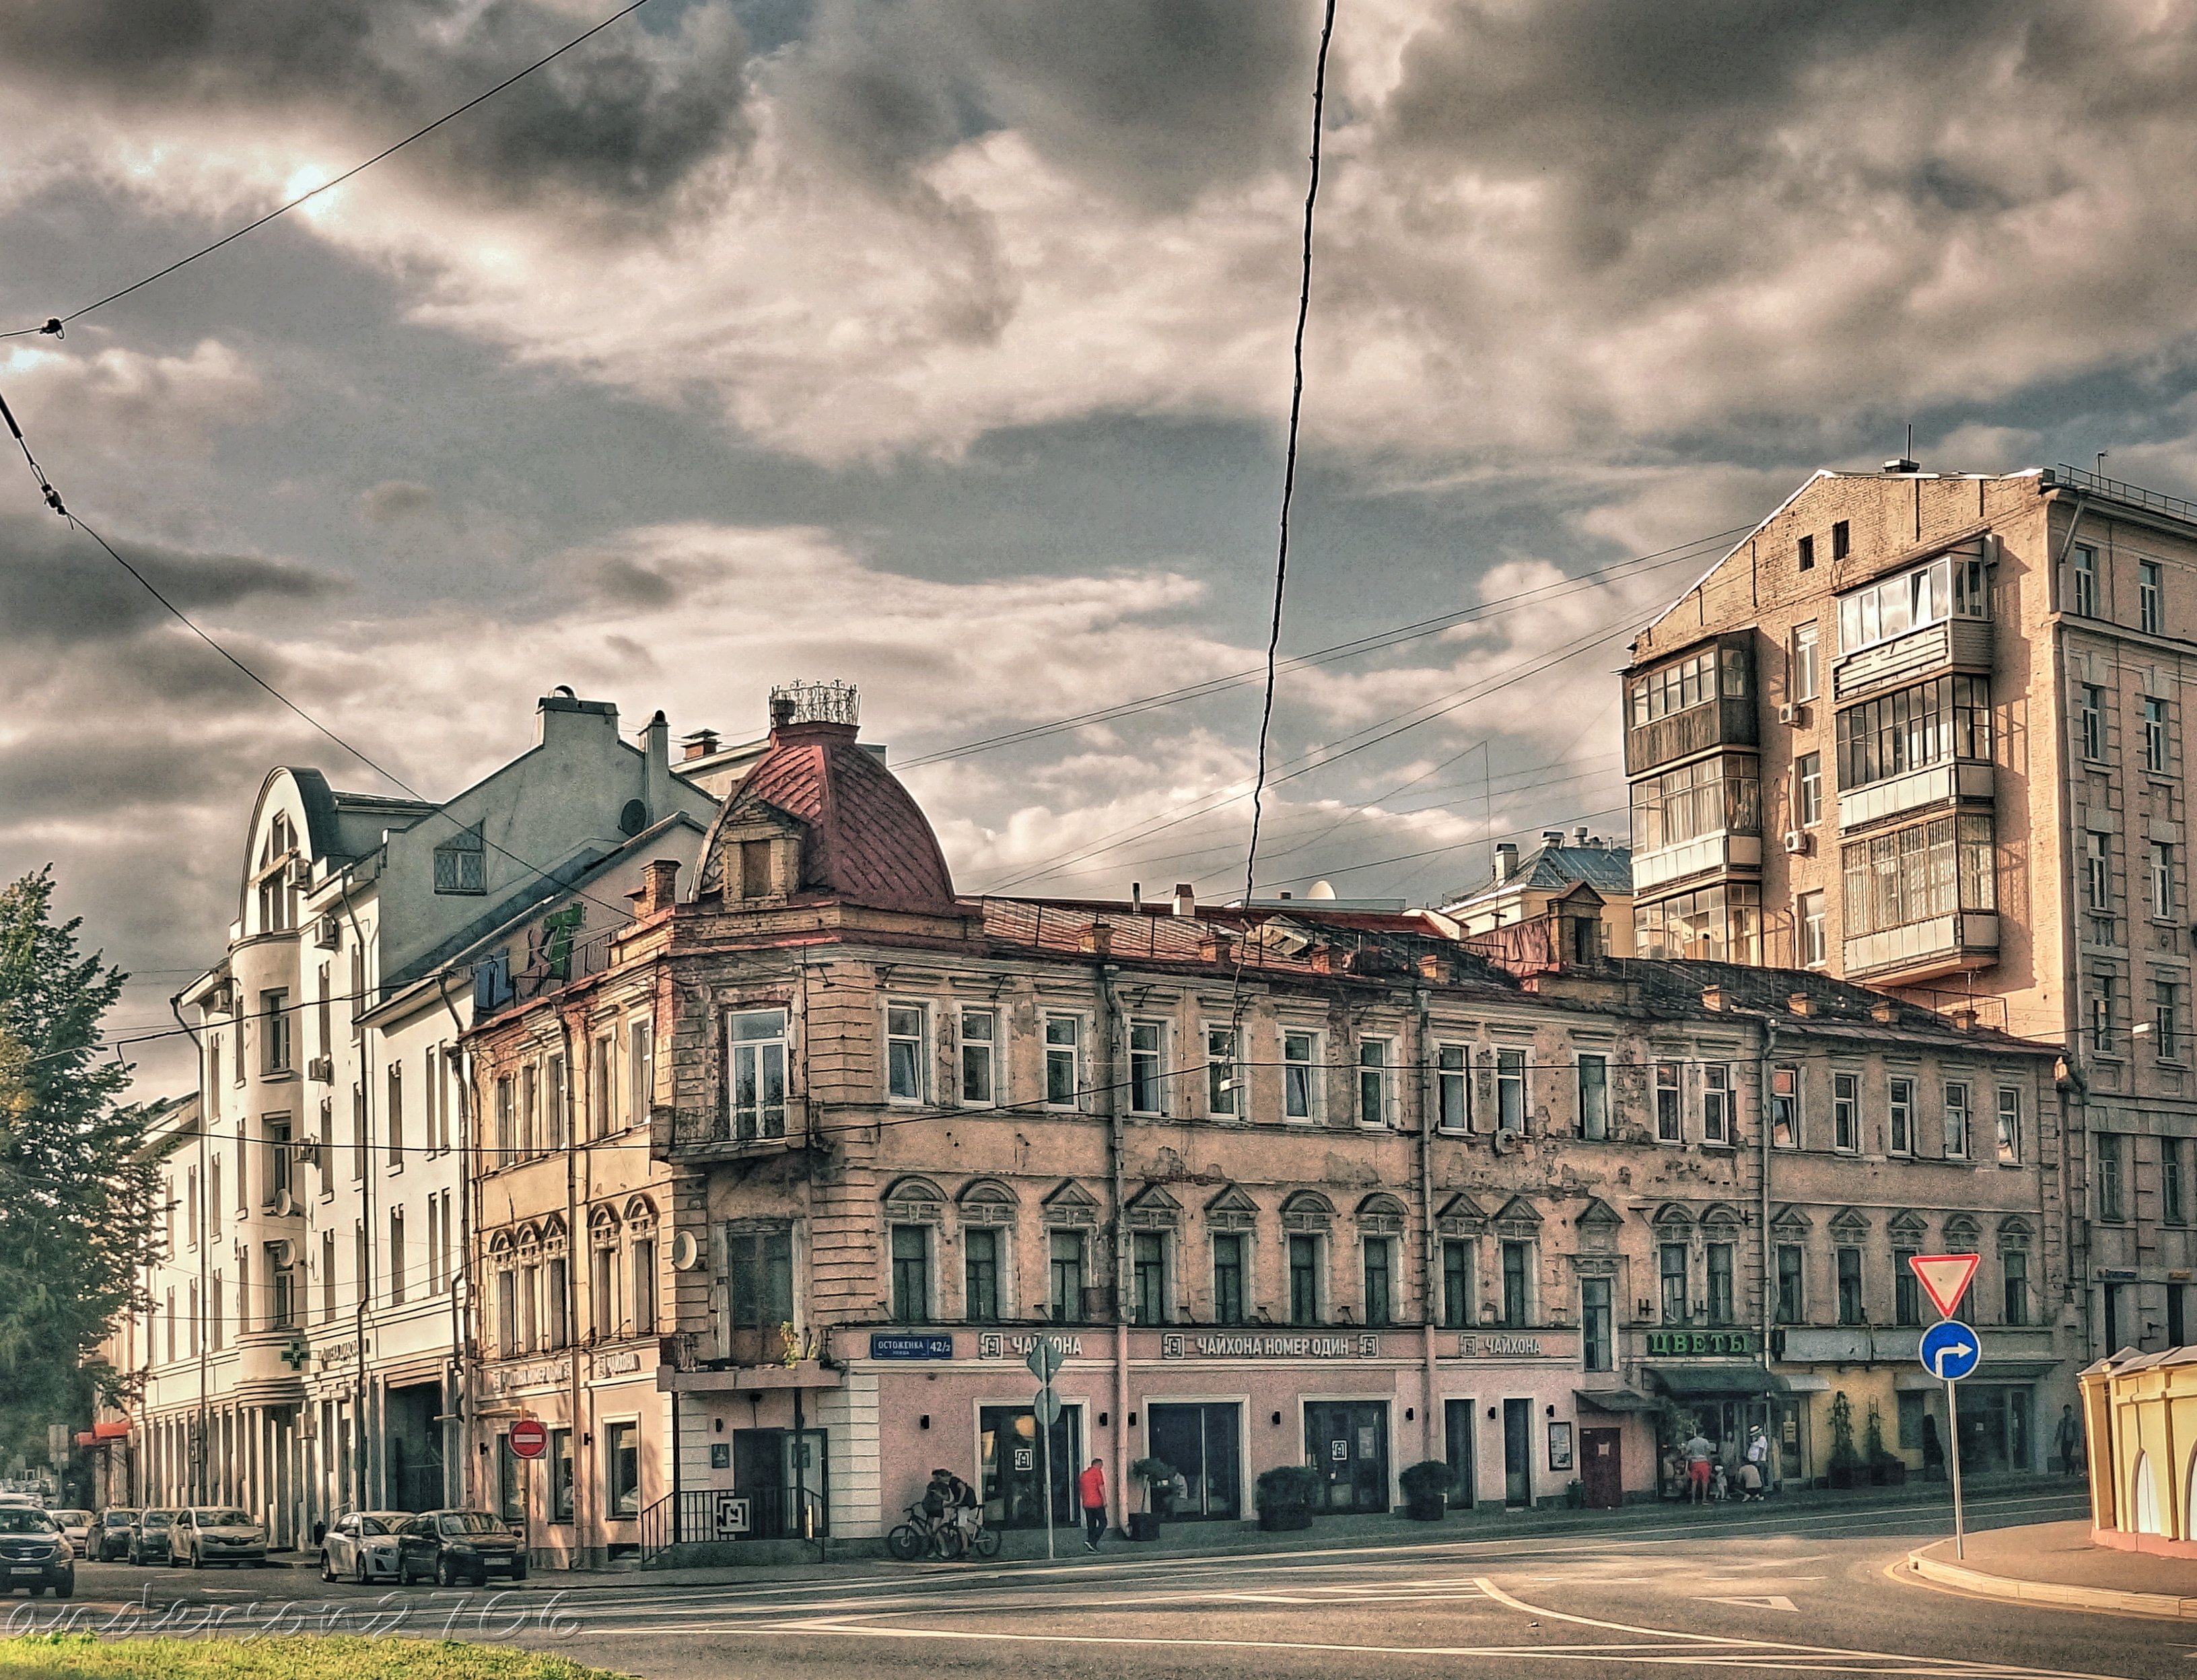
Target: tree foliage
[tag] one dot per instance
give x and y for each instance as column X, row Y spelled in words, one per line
column 76, row 1199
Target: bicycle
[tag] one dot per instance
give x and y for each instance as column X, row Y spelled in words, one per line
column 918, row 1537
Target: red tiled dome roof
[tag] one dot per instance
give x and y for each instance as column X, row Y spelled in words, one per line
column 864, row 839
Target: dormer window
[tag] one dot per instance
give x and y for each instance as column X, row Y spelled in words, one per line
column 461, row 863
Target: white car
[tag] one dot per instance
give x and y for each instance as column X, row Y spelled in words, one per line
column 361, row 1546
column 204, row 1534
column 77, row 1524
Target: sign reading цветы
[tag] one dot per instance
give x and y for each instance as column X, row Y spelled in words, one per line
column 1677, row 1344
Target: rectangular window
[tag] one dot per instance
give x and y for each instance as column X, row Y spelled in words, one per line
column 2111, row 1202
column 1671, row 1270
column 2083, row 576
column 980, row 1274
column 1804, row 553
column 2092, row 714
column 561, row 1323
column 2155, row 757
column 1457, row 1313
column 1064, row 1075
column 2150, row 598
column 1808, row 781
column 904, row 1059
column 1845, row 1111
column 328, row 1275
column 1224, row 1080
column 911, row 1274
column 2013, row 1274
column 461, row 863
column 1373, row 1056
column 643, row 1286
column 1906, row 1290
column 1720, row 1273
column 640, row 1070
column 1716, row 1126
column 1453, row 1087
column 2105, row 1018
column 602, row 1085
column 1593, row 1096
column 602, row 1293
column 1842, row 540
column 2166, row 1020
column 1596, row 1344
column 1228, row 1277
column 1689, row 682
column 2162, row 881
column 1147, row 1066
column 1510, row 1090
column 1517, row 1278
column 397, row 1257
column 395, row 1126
column 274, row 1032
column 979, row 1069
column 1899, row 1115
column 358, row 1151
column 1815, row 933
column 2009, row 1126
column 1065, row 1250
column 1304, row 1279
column 2173, row 1207
column 1721, row 924
column 1148, row 1276
column 1850, row 1300
column 560, row 1475
column 622, row 1466
column 2098, row 873
column 1669, row 1124
column 758, row 1277
column 1301, row 1079
column 754, row 1047
column 1792, row 1297
column 1804, row 661
column 1380, row 1257
column 530, row 1108
column 1785, row 1108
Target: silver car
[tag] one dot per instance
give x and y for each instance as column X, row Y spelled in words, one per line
column 361, row 1546
column 77, row 1524
column 204, row 1534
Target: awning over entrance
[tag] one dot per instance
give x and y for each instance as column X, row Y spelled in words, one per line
column 1613, row 1399
column 1701, row 1381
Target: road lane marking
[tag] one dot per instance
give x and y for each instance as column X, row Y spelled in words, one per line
column 1768, row 1601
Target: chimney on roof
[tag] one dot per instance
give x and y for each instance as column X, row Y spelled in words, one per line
column 782, row 710
column 656, row 791
column 1884, row 1012
column 1800, row 1003
column 1579, row 836
column 1552, row 836
column 1097, row 940
column 699, row 744
column 1712, row 997
column 659, row 885
column 1902, row 465
column 1506, row 861
column 1136, row 898
column 1217, row 947
column 1185, row 899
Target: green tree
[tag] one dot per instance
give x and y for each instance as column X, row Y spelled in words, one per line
column 76, row 1200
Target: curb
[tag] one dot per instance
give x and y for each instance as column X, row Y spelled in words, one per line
column 2052, row 1593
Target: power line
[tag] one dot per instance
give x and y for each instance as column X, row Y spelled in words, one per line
column 1290, row 459
column 54, row 325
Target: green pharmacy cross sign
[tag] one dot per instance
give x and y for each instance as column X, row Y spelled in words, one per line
column 1678, row 1344
column 295, row 1354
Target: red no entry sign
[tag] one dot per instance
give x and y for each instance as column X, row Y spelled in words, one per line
column 529, row 1440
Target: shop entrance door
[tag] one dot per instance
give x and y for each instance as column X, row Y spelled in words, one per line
column 1517, row 1453
column 1010, row 1466
column 1203, row 1442
column 1456, row 1440
column 1601, row 1468
column 1346, row 1442
column 764, row 1463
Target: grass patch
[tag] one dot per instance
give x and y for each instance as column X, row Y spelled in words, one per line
column 335, row 1657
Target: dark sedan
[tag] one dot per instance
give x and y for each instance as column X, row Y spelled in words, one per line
column 110, row 1535
column 149, row 1535
column 448, row 1547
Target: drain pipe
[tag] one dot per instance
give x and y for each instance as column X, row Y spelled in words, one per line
column 1430, row 1247
column 1767, row 1312
column 1109, row 991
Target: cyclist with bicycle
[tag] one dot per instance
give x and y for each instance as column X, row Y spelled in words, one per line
column 950, row 1502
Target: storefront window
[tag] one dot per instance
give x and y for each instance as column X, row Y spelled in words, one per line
column 560, row 1475
column 621, row 1468
column 1012, row 1466
column 1203, row 1444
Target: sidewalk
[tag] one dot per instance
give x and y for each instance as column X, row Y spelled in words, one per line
column 2055, row 1563
column 1209, row 1539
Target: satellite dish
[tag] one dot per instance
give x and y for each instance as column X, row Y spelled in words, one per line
column 686, row 1253
column 1321, row 889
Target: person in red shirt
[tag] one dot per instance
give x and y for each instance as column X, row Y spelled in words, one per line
column 1090, row 1490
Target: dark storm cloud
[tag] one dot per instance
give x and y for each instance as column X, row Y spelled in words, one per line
column 624, row 118
column 1152, row 101
column 58, row 589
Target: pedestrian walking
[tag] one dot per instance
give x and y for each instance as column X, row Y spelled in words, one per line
column 1090, row 1490
column 1755, row 1485
column 2069, row 1440
column 1699, row 1455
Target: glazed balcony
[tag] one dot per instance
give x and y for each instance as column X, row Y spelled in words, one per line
column 1695, row 703
column 1947, row 944
column 1949, row 644
column 1948, row 784
column 1721, row 851
column 1698, row 729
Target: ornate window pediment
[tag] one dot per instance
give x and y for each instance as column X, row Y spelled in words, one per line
column 1308, row 1210
column 1720, row 1221
column 1674, row 1220
column 1380, row 1214
column 1153, row 1209
column 1962, row 1230
column 1072, row 1205
column 914, row 1200
column 1907, row 1226
column 1790, row 1221
column 1850, row 1224
column 1232, row 1210
column 1518, row 1217
column 1460, row 1216
column 2014, row 1232
column 986, row 1201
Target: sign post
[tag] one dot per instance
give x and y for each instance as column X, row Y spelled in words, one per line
column 1950, row 1351
column 529, row 1441
column 1044, row 1361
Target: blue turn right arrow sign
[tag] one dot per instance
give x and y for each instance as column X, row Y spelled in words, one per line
column 1951, row 1351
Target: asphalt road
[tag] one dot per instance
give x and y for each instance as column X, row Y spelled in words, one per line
column 1688, row 1594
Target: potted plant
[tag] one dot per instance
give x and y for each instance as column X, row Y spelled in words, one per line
column 1426, row 1491
column 1158, row 1476
column 1846, row 1467
column 1284, row 1496
column 1886, row 1468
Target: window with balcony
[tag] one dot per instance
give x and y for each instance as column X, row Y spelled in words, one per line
column 1718, row 923
column 1808, row 789
column 1804, row 662
column 2156, row 757
column 1716, row 795
column 2083, row 594
column 1934, row 723
column 1951, row 586
column 2150, row 598
column 1915, row 874
column 1689, row 683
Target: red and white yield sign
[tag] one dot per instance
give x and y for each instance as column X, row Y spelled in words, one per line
column 1944, row 1278
column 529, row 1440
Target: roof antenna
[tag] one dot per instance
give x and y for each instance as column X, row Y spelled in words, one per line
column 2102, row 454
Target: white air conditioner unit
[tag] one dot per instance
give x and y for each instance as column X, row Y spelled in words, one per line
column 321, row 1070
column 1793, row 712
column 221, row 999
column 1800, row 841
column 328, row 932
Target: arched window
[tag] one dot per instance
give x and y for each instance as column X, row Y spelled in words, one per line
column 2145, row 1496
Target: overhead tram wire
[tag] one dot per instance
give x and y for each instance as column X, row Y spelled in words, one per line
column 53, row 326
column 1290, row 461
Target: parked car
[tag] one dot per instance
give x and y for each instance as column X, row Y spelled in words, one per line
column 34, row 1553
column 206, row 1534
column 77, row 1526
column 448, row 1547
column 363, row 1545
column 110, row 1535
column 148, row 1536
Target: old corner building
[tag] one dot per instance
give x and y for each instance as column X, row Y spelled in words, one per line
column 834, row 1147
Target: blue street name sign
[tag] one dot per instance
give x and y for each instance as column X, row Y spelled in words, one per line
column 1951, row 1350
column 911, row 1347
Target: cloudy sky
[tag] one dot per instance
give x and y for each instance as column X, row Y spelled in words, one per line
column 945, row 349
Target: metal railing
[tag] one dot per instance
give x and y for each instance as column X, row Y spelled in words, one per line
column 2120, row 491
column 714, row 1516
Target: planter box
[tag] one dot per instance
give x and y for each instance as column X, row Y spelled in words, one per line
column 1856, row 1477
column 1890, row 1473
column 1144, row 1525
column 1427, row 1510
column 1284, row 1517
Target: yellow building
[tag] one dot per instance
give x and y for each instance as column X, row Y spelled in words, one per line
column 2140, row 1415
